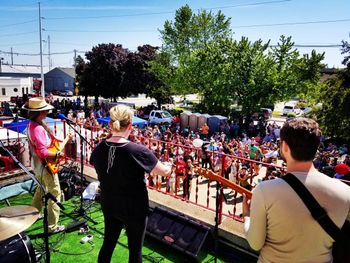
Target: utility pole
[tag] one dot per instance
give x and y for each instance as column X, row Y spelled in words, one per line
column 41, row 56
column 75, row 59
column 1, row 59
column 11, row 56
column 49, row 51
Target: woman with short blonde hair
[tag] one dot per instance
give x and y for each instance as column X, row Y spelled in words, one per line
column 121, row 165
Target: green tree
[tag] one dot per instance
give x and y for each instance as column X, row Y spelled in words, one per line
column 160, row 74
column 205, row 59
column 188, row 33
column 229, row 71
column 334, row 115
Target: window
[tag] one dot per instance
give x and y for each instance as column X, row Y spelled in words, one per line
column 166, row 114
column 158, row 115
column 3, row 91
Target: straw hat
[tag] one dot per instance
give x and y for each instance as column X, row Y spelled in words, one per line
column 37, row 104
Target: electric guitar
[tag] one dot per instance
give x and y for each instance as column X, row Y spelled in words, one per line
column 56, row 145
column 226, row 183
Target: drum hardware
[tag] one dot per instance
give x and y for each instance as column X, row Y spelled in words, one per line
column 47, row 197
column 18, row 249
column 15, row 219
column 14, row 245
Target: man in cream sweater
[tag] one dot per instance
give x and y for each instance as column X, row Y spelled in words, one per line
column 277, row 222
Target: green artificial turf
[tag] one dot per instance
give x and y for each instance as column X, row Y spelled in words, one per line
column 66, row 247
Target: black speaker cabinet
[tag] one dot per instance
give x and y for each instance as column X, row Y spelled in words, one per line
column 177, row 231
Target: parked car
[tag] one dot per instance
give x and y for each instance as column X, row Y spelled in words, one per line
column 289, row 107
column 55, row 92
column 66, row 93
column 160, row 116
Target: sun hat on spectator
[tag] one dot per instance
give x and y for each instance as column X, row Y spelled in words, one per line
column 342, row 168
column 37, row 104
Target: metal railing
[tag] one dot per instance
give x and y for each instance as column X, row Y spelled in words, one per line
column 198, row 188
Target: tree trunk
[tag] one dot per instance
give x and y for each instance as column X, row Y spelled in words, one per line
column 85, row 102
column 159, row 103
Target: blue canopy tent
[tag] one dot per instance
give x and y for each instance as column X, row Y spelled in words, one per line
column 21, row 126
column 141, row 123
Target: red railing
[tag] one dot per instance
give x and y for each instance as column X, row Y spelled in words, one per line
column 200, row 190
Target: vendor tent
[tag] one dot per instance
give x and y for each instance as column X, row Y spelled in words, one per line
column 135, row 121
column 21, row 126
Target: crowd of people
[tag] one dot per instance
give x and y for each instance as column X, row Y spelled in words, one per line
column 170, row 153
column 244, row 145
column 245, row 139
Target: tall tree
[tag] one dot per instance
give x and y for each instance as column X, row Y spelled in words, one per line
column 137, row 76
column 112, row 71
column 334, row 115
column 186, row 34
column 160, row 74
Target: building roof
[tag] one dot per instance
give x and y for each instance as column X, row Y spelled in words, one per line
column 329, row 71
column 24, row 69
column 68, row 71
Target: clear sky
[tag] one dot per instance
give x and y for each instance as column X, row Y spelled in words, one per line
column 82, row 24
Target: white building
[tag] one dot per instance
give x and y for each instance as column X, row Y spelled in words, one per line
column 17, row 86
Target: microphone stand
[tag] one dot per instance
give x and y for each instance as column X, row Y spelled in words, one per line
column 217, row 200
column 47, row 196
column 81, row 211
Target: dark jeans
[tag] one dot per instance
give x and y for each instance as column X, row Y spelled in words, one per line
column 135, row 230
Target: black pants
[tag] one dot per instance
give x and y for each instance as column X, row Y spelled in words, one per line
column 135, row 230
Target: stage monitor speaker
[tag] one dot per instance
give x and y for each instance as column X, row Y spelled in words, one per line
column 177, row 231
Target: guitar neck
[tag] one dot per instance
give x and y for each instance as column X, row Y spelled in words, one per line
column 63, row 144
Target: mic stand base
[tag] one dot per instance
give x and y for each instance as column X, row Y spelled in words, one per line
column 82, row 213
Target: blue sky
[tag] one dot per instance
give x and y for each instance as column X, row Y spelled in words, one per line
column 81, row 24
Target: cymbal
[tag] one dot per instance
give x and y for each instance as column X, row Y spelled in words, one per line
column 15, row 219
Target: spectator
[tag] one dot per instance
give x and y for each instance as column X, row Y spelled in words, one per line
column 204, row 131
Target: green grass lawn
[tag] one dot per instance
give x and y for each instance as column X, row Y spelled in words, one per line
column 66, row 247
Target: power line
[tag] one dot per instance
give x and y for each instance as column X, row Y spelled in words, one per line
column 325, row 46
column 19, row 44
column 165, row 12
column 296, row 23
column 251, row 4
column 82, row 52
column 19, row 23
column 35, row 54
column 107, row 16
column 16, row 34
column 98, row 31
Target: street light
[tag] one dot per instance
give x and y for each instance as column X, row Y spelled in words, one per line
column 1, row 59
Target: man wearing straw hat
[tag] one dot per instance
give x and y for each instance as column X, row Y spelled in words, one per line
column 40, row 136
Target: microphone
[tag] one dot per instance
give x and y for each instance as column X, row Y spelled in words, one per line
column 62, row 117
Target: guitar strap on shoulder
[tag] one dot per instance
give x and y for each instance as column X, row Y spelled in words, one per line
column 316, row 210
